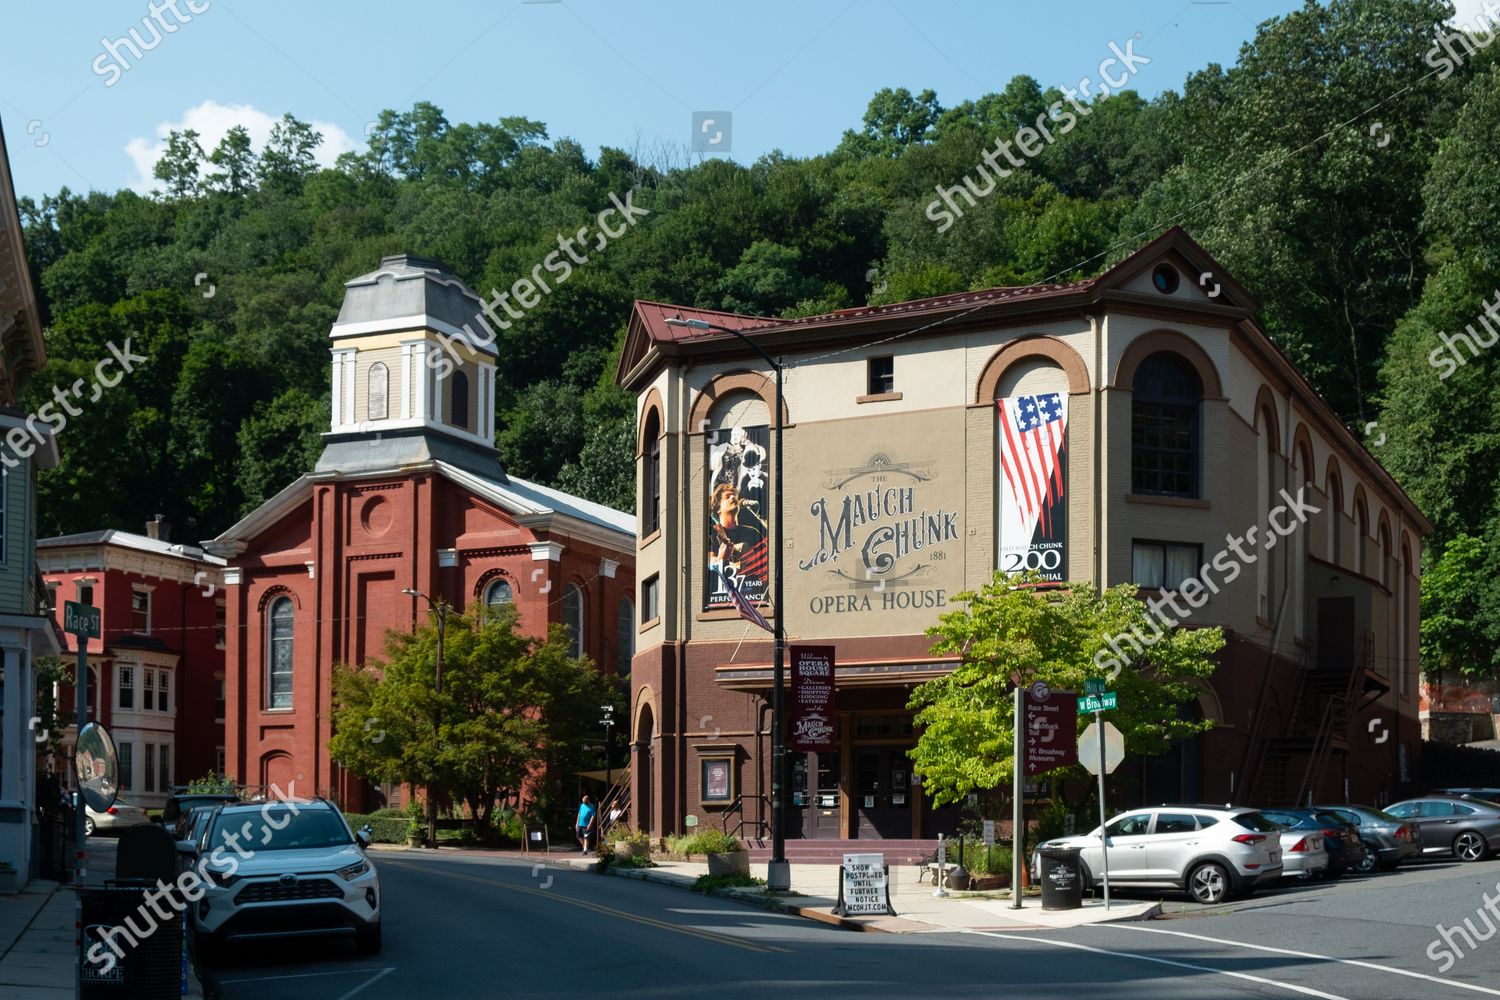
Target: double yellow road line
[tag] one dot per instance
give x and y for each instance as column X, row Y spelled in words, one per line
column 599, row 908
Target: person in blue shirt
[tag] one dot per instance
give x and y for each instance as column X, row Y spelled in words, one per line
column 585, row 822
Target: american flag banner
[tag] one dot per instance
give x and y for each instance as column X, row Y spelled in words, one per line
column 747, row 611
column 1033, row 483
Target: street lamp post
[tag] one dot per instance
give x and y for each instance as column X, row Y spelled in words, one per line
column 778, row 872
column 609, row 774
column 441, row 609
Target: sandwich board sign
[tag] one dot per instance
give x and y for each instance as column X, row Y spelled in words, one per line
column 864, row 886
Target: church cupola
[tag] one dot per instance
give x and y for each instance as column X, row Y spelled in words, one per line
column 413, row 356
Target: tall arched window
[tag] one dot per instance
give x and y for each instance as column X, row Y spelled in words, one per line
column 624, row 636
column 1166, row 398
column 651, row 476
column 572, row 613
column 1335, row 519
column 458, row 385
column 498, row 595
column 1385, row 555
column 279, row 654
column 1362, row 523
column 379, row 392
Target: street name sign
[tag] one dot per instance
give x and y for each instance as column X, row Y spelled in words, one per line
column 1097, row 702
column 1094, row 685
column 81, row 619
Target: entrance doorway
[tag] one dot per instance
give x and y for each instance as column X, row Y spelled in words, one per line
column 882, row 793
column 815, row 794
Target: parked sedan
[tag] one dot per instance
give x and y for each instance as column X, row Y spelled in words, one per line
column 1488, row 794
column 117, row 817
column 1303, row 853
column 1469, row 829
column 1389, row 840
column 1340, row 838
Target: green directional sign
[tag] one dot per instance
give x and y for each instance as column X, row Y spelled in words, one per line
column 1094, row 685
column 1102, row 702
column 81, row 619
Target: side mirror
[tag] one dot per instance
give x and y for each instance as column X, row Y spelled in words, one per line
column 364, row 835
column 187, row 847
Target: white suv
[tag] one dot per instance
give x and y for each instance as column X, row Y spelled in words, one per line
column 1210, row 852
column 285, row 867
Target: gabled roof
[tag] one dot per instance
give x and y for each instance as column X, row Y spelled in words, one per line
column 649, row 335
column 21, row 341
column 531, row 504
column 127, row 540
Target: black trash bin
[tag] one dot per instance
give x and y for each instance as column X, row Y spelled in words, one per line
column 1062, row 881
column 130, row 953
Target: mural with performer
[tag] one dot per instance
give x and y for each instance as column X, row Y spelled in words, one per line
column 738, row 538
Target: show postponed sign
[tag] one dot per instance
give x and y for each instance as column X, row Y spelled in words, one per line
column 863, row 886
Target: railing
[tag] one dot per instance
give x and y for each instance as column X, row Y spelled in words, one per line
column 737, row 808
column 1335, row 718
column 616, row 801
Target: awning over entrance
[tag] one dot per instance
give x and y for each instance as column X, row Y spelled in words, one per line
column 757, row 676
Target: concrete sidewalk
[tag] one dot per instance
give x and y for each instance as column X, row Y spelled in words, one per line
column 38, row 954
column 815, row 893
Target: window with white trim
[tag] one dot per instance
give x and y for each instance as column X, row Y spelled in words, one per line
column 126, row 677
column 148, row 782
column 140, row 612
column 126, row 752
column 279, row 654
column 163, row 702
column 164, row 760
column 221, row 624
column 572, row 615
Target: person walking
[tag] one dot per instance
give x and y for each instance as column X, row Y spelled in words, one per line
column 585, row 822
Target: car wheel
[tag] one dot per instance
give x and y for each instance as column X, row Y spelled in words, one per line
column 88, row 826
column 367, row 939
column 1208, row 883
column 1469, row 846
column 1367, row 864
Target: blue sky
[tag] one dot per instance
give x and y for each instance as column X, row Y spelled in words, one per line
column 794, row 75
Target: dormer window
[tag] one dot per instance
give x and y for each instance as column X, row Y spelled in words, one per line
column 459, row 396
column 379, row 388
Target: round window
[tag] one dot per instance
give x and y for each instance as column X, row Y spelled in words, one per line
column 1165, row 279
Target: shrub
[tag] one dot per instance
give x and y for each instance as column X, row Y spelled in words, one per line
column 388, row 829
column 629, row 835
column 980, row 860
column 708, row 883
column 705, row 842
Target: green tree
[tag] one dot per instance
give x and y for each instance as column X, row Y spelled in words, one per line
column 1007, row 628
column 179, row 164
column 1454, row 634
column 236, row 162
column 512, row 708
column 287, row 159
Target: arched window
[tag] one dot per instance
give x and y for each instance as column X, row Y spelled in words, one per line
column 497, row 595
column 1385, row 556
column 279, row 654
column 1164, row 431
column 459, row 400
column 572, row 613
column 651, row 476
column 624, row 636
column 379, row 392
column 1335, row 519
column 1362, row 523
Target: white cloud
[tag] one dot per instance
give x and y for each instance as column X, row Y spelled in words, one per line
column 211, row 120
column 1469, row 12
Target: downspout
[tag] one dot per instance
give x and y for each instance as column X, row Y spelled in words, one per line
column 684, row 599
column 1099, row 499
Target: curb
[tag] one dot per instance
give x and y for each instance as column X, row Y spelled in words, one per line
column 778, row 903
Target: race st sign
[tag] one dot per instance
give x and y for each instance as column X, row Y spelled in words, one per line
column 1049, row 731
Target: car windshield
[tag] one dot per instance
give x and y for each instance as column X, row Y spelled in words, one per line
column 1255, row 821
column 279, row 827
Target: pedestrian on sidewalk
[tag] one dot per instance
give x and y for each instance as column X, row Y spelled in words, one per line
column 585, row 825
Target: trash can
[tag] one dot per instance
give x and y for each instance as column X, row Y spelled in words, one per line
column 1062, row 883
column 130, row 953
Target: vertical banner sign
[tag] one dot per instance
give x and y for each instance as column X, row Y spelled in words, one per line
column 812, row 699
column 1033, row 485
column 1051, row 731
column 738, row 542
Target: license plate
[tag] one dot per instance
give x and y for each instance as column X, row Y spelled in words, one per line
column 1275, row 856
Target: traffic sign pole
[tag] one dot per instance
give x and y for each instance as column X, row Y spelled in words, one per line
column 1018, row 829
column 84, row 626
column 1103, row 830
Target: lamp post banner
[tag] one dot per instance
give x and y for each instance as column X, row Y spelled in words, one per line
column 738, row 537
column 1033, row 484
column 812, row 699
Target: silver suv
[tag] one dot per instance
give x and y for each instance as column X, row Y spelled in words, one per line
column 1210, row 852
column 285, row 867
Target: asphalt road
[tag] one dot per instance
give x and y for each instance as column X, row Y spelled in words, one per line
column 460, row 926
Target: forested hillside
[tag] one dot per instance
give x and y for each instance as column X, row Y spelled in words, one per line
column 1336, row 169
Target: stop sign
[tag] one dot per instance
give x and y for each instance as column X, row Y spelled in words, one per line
column 1088, row 748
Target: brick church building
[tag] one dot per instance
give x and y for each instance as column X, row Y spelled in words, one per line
column 409, row 494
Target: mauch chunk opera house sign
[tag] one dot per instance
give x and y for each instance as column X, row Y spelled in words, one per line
column 883, row 530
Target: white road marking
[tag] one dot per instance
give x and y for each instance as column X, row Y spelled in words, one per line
column 373, row 979
column 1307, row 954
column 1034, row 939
column 304, row 975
